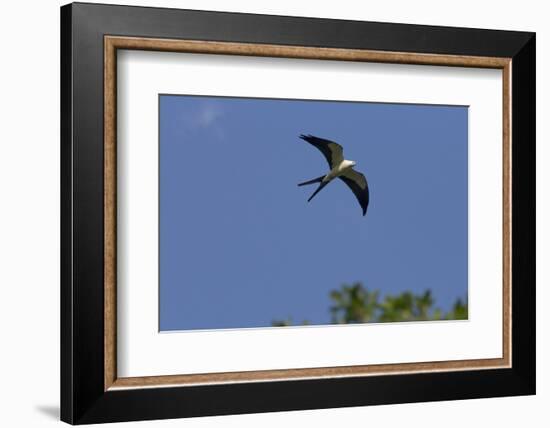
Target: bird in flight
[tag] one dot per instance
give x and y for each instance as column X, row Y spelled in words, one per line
column 339, row 168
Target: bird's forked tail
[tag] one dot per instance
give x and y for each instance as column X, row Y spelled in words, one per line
column 315, row 180
column 321, row 186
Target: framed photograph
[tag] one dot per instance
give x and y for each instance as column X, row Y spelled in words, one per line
column 266, row 213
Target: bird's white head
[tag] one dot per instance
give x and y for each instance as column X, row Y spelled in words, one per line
column 347, row 164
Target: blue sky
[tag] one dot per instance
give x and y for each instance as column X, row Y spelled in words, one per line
column 241, row 247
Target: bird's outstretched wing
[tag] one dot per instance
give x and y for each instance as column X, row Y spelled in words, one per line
column 358, row 185
column 333, row 152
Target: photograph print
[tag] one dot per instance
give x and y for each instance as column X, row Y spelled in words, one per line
column 294, row 213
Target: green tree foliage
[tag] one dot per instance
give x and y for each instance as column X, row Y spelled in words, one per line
column 356, row 304
column 458, row 312
column 353, row 304
column 286, row 323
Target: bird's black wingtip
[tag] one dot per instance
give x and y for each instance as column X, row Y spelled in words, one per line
column 305, row 136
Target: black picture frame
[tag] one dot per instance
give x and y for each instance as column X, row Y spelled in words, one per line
column 83, row 396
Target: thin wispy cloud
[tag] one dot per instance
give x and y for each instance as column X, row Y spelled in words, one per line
column 206, row 117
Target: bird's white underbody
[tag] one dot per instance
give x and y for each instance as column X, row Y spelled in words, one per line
column 339, row 170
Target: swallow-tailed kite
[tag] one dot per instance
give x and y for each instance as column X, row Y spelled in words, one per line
column 339, row 168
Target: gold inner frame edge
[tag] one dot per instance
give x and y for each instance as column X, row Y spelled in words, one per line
column 113, row 43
